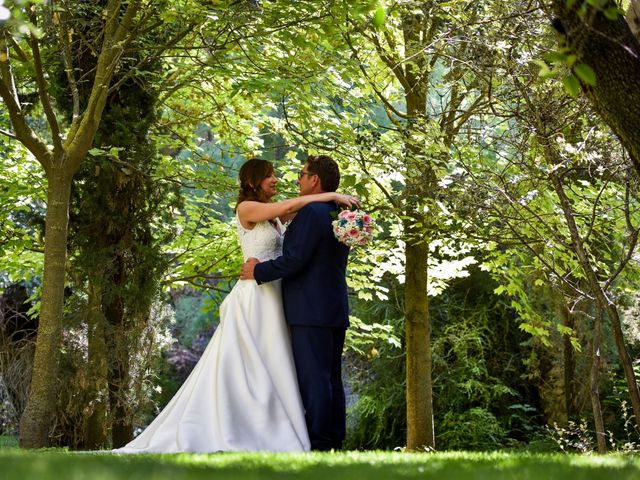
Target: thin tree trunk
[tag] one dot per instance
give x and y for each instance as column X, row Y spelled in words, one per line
column 569, row 362
column 35, row 423
column 97, row 423
column 595, row 394
column 596, row 289
column 118, row 371
column 419, row 394
column 420, row 428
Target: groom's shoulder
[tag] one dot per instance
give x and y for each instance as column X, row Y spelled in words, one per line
column 319, row 207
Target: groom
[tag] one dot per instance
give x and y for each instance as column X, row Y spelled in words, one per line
column 314, row 292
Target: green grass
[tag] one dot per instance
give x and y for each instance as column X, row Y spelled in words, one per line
column 62, row 465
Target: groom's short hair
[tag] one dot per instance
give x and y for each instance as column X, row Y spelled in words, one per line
column 327, row 170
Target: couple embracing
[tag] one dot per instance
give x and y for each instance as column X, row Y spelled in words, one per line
column 270, row 378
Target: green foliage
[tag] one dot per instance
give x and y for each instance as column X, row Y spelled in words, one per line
column 192, row 317
column 379, row 17
column 585, row 73
column 571, row 84
column 377, row 418
column 363, row 337
column 22, row 210
column 7, row 441
column 473, row 429
column 478, row 367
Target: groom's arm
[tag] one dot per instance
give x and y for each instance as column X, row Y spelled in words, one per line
column 302, row 242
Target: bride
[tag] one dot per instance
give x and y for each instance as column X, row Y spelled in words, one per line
column 243, row 393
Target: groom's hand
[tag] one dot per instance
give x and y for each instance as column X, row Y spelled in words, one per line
column 246, row 273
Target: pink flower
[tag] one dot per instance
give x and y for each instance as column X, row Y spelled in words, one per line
column 353, row 228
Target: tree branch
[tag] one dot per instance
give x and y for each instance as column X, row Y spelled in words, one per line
column 43, row 88
column 115, row 34
column 9, row 95
column 68, row 64
column 9, row 134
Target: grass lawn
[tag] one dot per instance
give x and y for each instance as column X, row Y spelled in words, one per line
column 58, row 464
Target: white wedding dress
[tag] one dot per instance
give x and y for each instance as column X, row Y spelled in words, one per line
column 243, row 393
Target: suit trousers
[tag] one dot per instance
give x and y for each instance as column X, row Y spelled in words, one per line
column 317, row 353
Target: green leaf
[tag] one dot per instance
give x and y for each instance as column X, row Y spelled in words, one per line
column 379, row 17
column 585, row 73
column 612, row 13
column 560, row 57
column 115, row 151
column 348, row 181
column 545, row 72
column 96, row 152
column 597, row 3
column 571, row 85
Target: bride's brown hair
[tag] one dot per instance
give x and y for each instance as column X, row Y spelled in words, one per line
column 251, row 174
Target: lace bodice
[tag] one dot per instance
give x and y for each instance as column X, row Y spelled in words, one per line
column 262, row 242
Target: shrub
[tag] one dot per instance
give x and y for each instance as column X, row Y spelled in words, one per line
column 475, row 429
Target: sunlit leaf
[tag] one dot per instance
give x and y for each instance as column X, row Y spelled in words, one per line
column 585, row 73
column 571, row 85
column 379, row 17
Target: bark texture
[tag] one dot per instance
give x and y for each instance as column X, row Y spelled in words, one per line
column 610, row 48
column 97, row 423
column 35, row 423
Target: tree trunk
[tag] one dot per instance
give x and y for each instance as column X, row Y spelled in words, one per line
column 97, row 423
column 595, row 394
column 613, row 53
column 604, row 303
column 419, row 394
column 118, row 371
column 420, row 429
column 627, row 364
column 35, row 423
column 569, row 363
column 633, row 17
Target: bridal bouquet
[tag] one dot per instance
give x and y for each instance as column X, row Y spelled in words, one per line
column 353, row 228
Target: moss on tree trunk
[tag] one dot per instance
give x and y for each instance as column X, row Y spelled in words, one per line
column 35, row 421
column 613, row 53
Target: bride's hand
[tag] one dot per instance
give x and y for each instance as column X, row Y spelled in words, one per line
column 347, row 200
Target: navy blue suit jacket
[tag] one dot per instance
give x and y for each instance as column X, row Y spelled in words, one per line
column 312, row 268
